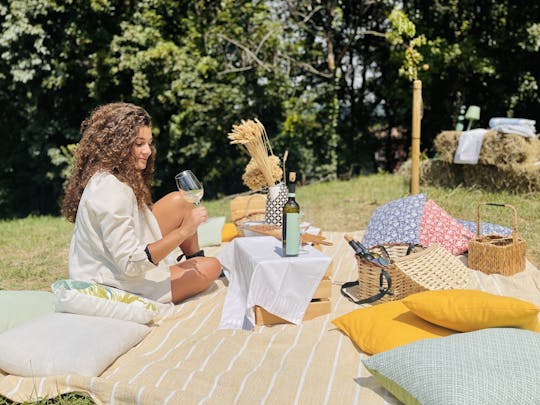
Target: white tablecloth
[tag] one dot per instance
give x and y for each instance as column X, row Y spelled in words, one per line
column 258, row 274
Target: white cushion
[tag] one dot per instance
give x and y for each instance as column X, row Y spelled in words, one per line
column 80, row 297
column 60, row 343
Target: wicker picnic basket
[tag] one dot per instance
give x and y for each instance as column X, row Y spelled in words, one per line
column 432, row 268
column 496, row 254
column 246, row 209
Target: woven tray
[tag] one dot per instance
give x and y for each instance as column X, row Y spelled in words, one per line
column 496, row 254
column 433, row 268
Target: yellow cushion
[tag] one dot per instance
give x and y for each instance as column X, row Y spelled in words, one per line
column 228, row 232
column 469, row 310
column 386, row 326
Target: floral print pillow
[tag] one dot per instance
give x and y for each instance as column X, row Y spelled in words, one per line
column 396, row 222
column 438, row 226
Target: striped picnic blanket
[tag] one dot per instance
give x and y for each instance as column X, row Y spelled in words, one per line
column 186, row 359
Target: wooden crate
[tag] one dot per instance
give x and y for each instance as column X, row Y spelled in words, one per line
column 249, row 207
column 329, row 270
column 315, row 309
column 319, row 305
column 324, row 290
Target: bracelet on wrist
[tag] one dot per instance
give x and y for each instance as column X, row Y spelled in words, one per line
column 149, row 255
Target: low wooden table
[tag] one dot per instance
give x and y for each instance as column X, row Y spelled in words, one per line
column 290, row 289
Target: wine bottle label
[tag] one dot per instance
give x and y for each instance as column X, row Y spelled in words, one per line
column 292, row 234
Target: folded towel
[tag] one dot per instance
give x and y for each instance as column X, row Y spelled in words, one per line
column 496, row 121
column 470, row 143
column 523, row 130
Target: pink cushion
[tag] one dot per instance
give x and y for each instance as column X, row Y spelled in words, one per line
column 438, row 226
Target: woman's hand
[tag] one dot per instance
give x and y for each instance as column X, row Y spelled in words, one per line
column 178, row 221
column 192, row 220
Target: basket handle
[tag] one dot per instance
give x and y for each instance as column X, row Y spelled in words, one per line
column 514, row 230
column 383, row 276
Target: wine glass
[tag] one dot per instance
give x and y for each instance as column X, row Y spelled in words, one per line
column 192, row 187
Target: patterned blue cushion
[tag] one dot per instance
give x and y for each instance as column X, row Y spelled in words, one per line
column 396, row 221
column 486, row 228
column 489, row 366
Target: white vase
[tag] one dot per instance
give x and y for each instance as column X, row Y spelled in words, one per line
column 277, row 197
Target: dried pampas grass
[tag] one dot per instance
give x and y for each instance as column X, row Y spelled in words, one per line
column 253, row 177
column 251, row 135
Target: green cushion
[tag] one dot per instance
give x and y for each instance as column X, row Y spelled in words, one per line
column 209, row 232
column 488, row 366
column 17, row 307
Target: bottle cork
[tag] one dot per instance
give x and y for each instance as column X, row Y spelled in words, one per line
column 292, row 177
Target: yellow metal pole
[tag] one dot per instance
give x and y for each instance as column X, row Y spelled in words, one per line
column 415, row 144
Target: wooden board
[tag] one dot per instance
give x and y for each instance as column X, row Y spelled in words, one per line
column 324, row 290
column 314, row 309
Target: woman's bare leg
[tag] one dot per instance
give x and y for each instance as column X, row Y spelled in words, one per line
column 193, row 276
column 170, row 212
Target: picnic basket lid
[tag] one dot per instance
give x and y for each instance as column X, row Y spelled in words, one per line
column 434, row 268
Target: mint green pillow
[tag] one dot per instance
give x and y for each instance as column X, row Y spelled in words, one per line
column 17, row 307
column 488, row 366
column 209, row 232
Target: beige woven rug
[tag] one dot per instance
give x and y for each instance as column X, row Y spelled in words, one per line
column 188, row 360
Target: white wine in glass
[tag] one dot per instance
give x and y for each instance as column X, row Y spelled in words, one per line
column 192, row 187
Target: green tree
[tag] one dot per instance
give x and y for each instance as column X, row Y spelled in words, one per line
column 482, row 53
column 44, row 73
column 322, row 76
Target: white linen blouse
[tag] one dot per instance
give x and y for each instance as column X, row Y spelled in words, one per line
column 109, row 238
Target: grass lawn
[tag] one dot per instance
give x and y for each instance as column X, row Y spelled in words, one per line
column 33, row 250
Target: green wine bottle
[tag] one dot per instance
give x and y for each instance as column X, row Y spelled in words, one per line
column 291, row 221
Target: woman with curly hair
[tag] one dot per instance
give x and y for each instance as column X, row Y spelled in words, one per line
column 120, row 238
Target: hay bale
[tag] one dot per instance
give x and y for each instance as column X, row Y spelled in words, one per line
column 434, row 172
column 514, row 178
column 498, row 149
column 405, row 170
column 445, row 145
column 508, row 149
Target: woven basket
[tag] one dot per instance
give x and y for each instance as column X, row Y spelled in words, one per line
column 433, row 268
column 245, row 209
column 496, row 254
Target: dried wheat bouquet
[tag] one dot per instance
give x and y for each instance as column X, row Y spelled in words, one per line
column 253, row 177
column 252, row 136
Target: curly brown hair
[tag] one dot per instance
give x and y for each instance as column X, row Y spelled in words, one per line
column 107, row 136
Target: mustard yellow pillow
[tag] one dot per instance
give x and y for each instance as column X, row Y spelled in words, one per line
column 386, row 326
column 469, row 310
column 228, row 232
